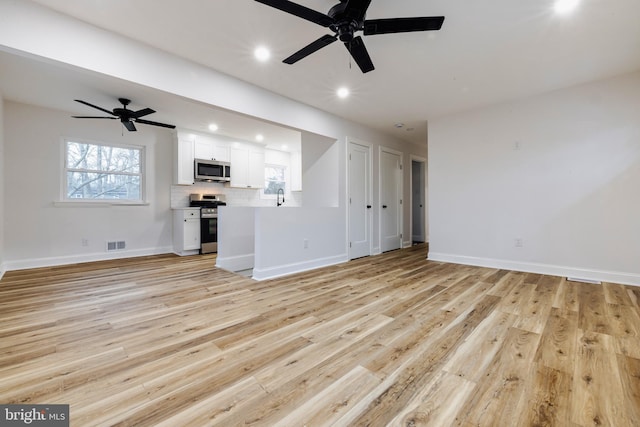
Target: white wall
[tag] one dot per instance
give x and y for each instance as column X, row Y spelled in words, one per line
column 236, row 238
column 289, row 240
column 37, row 231
column 559, row 171
column 321, row 171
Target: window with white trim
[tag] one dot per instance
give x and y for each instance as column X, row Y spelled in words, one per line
column 274, row 179
column 102, row 172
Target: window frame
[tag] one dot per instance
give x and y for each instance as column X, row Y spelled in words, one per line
column 64, row 199
column 287, row 184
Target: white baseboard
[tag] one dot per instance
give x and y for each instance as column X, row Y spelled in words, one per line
column 235, row 263
column 75, row 259
column 283, row 270
column 529, row 267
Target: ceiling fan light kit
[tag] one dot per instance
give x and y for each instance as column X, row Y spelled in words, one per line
column 344, row 20
column 127, row 117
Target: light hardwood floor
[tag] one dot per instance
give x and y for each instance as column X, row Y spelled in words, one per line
column 385, row 340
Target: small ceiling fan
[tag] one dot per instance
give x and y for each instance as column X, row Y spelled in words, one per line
column 127, row 117
column 345, row 19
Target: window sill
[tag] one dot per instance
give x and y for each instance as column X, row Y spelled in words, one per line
column 96, row 203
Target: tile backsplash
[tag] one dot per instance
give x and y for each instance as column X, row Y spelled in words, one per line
column 234, row 196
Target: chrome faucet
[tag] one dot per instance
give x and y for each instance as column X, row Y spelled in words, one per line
column 278, row 203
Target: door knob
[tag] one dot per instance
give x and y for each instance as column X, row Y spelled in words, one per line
column 384, row 206
column 368, row 206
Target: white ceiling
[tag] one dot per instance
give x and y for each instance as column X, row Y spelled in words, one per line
column 45, row 84
column 487, row 52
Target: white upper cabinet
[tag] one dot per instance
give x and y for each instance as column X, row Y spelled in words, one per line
column 221, row 153
column 211, row 150
column 203, row 149
column 184, row 161
column 256, row 168
column 247, row 166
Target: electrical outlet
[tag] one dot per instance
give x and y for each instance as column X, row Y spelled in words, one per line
column 519, row 242
column 85, row 242
column 306, row 243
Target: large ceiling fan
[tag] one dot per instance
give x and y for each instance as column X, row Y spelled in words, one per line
column 345, row 19
column 127, row 117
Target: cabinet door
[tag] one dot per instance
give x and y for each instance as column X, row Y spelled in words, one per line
column 239, row 167
column 247, row 167
column 204, row 149
column 184, row 162
column 256, row 169
column 191, row 234
column 220, row 153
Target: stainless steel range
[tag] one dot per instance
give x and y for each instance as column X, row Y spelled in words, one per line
column 208, row 204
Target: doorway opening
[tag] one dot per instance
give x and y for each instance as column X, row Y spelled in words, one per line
column 418, row 200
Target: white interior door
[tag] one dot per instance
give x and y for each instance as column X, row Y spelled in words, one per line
column 391, row 201
column 359, row 201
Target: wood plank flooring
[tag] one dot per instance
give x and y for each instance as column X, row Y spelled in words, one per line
column 385, row 340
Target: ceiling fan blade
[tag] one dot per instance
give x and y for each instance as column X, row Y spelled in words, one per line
column 299, row 11
column 94, row 117
column 402, row 25
column 310, row 48
column 359, row 52
column 357, row 8
column 94, row 106
column 148, row 122
column 143, row 112
column 129, row 125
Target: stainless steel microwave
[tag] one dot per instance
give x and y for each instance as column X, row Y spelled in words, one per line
column 211, row 170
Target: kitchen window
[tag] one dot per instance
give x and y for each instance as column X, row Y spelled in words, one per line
column 274, row 179
column 102, row 172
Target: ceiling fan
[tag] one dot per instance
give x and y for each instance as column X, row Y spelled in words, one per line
column 127, row 117
column 345, row 19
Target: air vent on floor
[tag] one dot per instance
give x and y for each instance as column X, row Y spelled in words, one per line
column 116, row 245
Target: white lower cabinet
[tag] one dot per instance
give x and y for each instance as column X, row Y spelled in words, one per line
column 186, row 231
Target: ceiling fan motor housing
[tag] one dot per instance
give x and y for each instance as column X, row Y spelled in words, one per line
column 345, row 25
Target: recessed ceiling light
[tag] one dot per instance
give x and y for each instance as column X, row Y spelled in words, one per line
column 259, row 137
column 565, row 6
column 213, row 127
column 343, row 92
column 284, row 146
column 262, row 54
column 399, row 125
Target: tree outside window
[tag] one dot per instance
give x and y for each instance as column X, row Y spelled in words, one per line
column 274, row 179
column 103, row 172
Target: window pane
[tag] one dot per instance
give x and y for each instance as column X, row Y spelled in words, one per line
column 273, row 179
column 271, row 187
column 103, row 172
column 87, row 185
column 102, row 158
column 273, row 173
